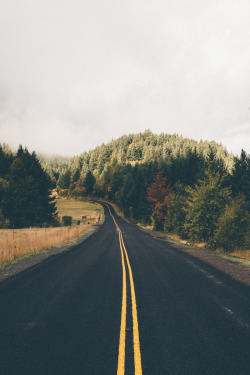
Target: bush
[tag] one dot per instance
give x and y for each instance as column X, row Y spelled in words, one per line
column 4, row 223
column 232, row 225
column 205, row 205
column 176, row 213
column 64, row 193
column 66, row 220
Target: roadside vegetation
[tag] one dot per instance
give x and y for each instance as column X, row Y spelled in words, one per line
column 194, row 190
column 18, row 243
column 79, row 208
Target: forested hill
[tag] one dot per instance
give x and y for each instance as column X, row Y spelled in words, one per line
column 135, row 148
column 194, row 189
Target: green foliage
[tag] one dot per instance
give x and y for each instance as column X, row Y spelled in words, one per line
column 89, row 183
column 64, row 180
column 201, row 174
column 67, row 220
column 176, row 213
column 240, row 178
column 25, row 199
column 206, row 202
column 143, row 148
column 4, row 223
column 232, row 225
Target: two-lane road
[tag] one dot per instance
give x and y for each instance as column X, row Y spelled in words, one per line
column 124, row 303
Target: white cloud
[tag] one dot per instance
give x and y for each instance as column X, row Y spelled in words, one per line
column 81, row 73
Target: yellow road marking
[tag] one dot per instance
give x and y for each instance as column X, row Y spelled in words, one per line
column 121, row 357
column 137, row 350
column 136, row 340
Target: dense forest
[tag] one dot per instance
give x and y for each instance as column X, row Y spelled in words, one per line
column 130, row 149
column 25, row 190
column 194, row 189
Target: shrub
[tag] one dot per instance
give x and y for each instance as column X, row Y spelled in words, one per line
column 64, row 193
column 176, row 212
column 66, row 220
column 206, row 203
column 4, row 223
column 232, row 225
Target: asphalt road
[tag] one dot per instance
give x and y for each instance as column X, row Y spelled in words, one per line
column 76, row 312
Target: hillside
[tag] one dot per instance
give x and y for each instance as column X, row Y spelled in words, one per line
column 134, row 148
column 196, row 190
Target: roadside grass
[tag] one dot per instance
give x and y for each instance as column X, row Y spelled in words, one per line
column 239, row 256
column 242, row 257
column 78, row 208
column 18, row 243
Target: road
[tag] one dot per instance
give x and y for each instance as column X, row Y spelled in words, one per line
column 123, row 302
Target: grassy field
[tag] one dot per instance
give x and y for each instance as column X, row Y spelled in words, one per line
column 17, row 243
column 77, row 209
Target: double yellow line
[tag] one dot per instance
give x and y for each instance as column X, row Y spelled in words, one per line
column 136, row 340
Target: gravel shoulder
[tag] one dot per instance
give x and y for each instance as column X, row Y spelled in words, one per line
column 233, row 268
column 11, row 269
column 236, row 270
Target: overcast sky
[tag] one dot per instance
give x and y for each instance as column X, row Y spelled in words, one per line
column 76, row 73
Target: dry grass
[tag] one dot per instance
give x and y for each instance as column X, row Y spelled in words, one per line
column 243, row 254
column 20, row 242
column 77, row 208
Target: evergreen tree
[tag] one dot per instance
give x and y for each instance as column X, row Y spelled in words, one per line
column 240, row 178
column 27, row 201
column 176, row 213
column 232, row 225
column 206, row 203
column 64, row 180
column 89, row 183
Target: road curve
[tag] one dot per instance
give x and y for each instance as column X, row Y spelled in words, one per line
column 67, row 315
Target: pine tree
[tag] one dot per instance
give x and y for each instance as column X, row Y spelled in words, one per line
column 206, row 202
column 89, row 183
column 176, row 213
column 240, row 178
column 27, row 201
column 232, row 225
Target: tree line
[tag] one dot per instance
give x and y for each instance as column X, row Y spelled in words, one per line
column 194, row 189
column 129, row 149
column 205, row 191
column 25, row 190
column 194, row 196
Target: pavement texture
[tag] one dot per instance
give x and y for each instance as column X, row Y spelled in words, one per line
column 63, row 315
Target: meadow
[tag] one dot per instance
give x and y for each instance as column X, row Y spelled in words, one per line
column 18, row 243
column 77, row 209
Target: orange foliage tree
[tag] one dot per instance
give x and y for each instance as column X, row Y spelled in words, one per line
column 158, row 194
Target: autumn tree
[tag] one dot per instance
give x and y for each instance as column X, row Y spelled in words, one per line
column 158, row 195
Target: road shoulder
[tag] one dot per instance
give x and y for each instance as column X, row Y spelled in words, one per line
column 237, row 271
column 11, row 269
